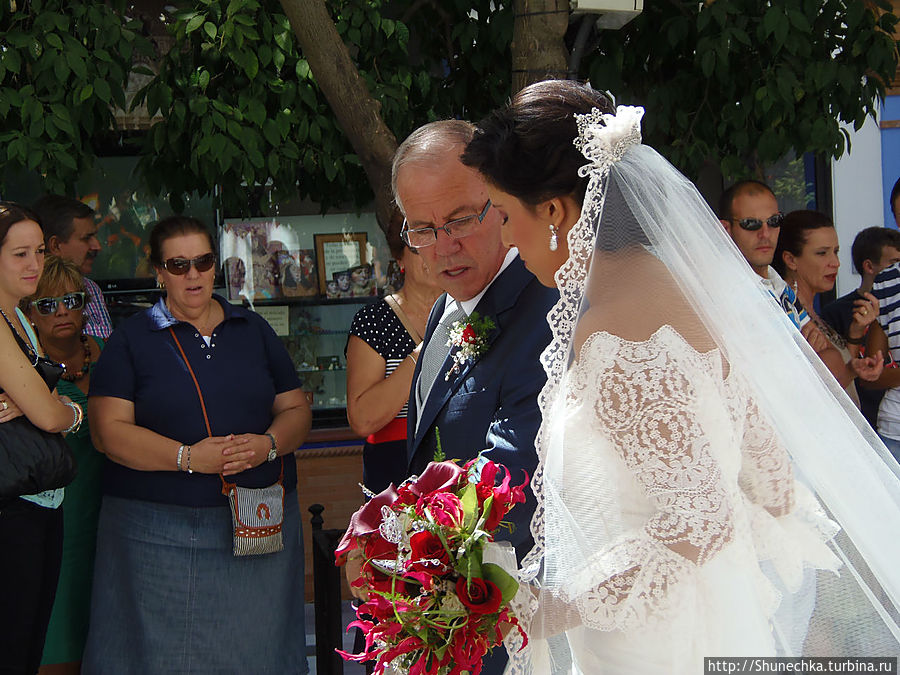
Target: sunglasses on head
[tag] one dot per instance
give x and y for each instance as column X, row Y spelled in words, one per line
column 71, row 301
column 753, row 224
column 179, row 266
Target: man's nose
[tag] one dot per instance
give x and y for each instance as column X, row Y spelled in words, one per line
column 94, row 243
column 445, row 244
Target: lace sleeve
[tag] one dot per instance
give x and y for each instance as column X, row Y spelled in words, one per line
column 766, row 477
column 652, row 411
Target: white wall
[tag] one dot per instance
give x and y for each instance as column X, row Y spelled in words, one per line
column 858, row 195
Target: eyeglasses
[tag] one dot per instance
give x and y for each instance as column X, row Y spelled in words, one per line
column 753, row 224
column 455, row 229
column 71, row 301
column 179, row 266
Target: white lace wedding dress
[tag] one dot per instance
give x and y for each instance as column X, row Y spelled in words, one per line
column 701, row 490
column 704, row 486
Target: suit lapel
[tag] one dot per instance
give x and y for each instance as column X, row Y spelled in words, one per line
column 496, row 303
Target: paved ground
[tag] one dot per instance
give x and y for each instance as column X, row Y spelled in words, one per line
column 350, row 667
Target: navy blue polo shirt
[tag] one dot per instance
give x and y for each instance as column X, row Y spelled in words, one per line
column 240, row 372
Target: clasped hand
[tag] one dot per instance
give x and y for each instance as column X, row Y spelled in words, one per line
column 229, row 454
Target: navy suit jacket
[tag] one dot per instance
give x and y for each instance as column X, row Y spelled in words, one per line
column 491, row 403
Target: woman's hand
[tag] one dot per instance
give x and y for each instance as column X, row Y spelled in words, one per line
column 814, row 337
column 868, row 368
column 8, row 409
column 253, row 451
column 215, row 454
column 865, row 311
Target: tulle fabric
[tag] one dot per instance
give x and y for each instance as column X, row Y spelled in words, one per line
column 705, row 487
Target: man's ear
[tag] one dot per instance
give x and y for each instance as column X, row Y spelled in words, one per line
column 868, row 267
column 53, row 244
column 726, row 225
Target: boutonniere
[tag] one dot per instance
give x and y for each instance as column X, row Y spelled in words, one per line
column 470, row 340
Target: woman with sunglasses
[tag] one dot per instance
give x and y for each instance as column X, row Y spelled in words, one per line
column 806, row 257
column 31, row 526
column 189, row 394
column 57, row 312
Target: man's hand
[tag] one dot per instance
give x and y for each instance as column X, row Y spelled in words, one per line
column 868, row 368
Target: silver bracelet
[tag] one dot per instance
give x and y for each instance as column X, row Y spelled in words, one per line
column 78, row 412
column 178, row 461
column 189, row 470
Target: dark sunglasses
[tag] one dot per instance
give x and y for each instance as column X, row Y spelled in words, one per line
column 71, row 301
column 753, row 224
column 179, row 266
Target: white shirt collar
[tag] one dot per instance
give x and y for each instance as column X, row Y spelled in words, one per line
column 468, row 306
column 773, row 281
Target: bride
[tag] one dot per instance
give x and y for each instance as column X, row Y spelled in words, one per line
column 705, row 488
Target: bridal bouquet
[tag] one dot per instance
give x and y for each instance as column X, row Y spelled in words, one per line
column 435, row 604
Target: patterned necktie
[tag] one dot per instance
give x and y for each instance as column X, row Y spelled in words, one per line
column 435, row 353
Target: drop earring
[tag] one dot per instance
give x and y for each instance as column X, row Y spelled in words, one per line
column 554, row 240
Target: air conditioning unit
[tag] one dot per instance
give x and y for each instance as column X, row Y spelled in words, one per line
column 613, row 13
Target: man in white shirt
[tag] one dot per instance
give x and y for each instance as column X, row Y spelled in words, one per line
column 749, row 213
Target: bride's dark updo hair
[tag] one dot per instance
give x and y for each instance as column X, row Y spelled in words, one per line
column 526, row 149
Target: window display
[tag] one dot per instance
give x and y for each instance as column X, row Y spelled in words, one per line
column 308, row 276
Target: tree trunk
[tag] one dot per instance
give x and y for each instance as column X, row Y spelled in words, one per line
column 538, row 47
column 357, row 112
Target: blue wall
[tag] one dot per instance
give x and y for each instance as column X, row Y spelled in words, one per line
column 890, row 155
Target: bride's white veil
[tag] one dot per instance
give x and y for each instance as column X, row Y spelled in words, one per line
column 819, row 495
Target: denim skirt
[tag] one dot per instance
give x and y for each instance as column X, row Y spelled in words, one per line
column 170, row 597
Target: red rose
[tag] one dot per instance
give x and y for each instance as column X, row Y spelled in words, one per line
column 479, row 595
column 445, row 507
column 468, row 335
column 426, row 547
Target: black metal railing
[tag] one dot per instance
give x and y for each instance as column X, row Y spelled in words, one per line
column 327, row 595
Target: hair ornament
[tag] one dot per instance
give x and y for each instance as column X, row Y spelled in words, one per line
column 604, row 138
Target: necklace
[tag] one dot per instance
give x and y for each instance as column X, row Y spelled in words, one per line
column 72, row 377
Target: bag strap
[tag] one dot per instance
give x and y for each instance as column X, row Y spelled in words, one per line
column 404, row 318
column 225, row 484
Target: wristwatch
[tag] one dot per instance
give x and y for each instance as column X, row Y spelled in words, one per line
column 273, row 451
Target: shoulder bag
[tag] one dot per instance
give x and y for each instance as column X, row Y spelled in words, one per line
column 33, row 460
column 257, row 514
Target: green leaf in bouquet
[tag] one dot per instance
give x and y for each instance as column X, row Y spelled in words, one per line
column 501, row 579
column 486, row 509
column 469, row 499
column 439, row 455
column 470, row 564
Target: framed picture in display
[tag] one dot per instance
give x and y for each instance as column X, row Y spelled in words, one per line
column 338, row 253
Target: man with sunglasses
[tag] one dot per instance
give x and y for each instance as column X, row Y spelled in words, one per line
column 749, row 213
column 71, row 233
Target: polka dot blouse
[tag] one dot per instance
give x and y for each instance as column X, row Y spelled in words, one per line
column 382, row 330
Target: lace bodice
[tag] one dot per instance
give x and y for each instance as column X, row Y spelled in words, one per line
column 668, row 439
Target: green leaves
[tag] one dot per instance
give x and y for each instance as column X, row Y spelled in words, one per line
column 743, row 83
column 64, row 64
